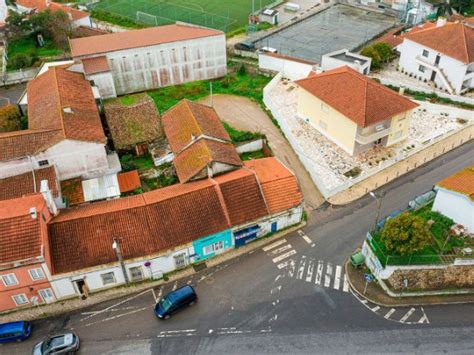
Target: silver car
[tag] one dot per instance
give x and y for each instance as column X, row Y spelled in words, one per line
column 58, row 344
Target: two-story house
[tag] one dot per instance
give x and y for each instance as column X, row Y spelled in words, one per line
column 133, row 61
column 353, row 111
column 443, row 54
column 25, row 260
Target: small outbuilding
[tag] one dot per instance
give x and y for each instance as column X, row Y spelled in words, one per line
column 269, row 15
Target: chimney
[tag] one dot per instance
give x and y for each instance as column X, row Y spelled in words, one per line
column 33, row 213
column 401, row 91
column 441, row 21
column 48, row 197
column 67, row 109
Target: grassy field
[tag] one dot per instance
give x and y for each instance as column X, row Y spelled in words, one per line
column 225, row 15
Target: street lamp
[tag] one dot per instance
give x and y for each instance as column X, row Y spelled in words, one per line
column 379, row 204
column 116, row 247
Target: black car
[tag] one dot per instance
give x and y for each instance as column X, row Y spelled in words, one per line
column 58, row 344
column 175, row 301
column 245, row 46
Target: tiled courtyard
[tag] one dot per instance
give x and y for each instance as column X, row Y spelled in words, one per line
column 330, row 163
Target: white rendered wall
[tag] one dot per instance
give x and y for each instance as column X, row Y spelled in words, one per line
column 456, row 206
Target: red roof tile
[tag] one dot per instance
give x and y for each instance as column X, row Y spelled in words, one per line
column 138, row 38
column 95, row 65
column 129, row 181
column 454, row 40
column 279, row 184
column 462, row 182
column 28, row 142
column 357, row 97
column 74, row 13
column 21, row 236
column 39, row 5
column 24, row 184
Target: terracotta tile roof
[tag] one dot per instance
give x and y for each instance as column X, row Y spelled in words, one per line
column 189, row 119
column 280, row 186
column 357, row 97
column 138, row 122
column 84, row 31
column 129, row 181
column 204, row 153
column 72, row 191
column 28, row 142
column 20, row 235
column 462, row 182
column 454, row 40
column 95, row 65
column 138, row 38
column 242, row 196
column 60, row 99
column 24, row 184
column 74, row 13
column 39, row 5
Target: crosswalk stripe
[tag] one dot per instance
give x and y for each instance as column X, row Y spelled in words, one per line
column 345, row 286
column 309, row 275
column 375, row 309
column 299, row 276
column 423, row 319
column 281, row 250
column 407, row 315
column 273, row 245
column 319, row 273
column 327, row 277
column 291, row 269
column 284, row 256
column 300, row 232
column 283, row 264
column 306, row 239
column 389, row 313
column 337, row 277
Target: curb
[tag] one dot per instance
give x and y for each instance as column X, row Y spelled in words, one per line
column 232, row 254
column 397, row 304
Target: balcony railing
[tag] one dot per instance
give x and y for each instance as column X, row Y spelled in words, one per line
column 366, row 138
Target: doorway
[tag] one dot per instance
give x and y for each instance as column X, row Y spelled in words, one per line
column 433, row 75
column 82, row 288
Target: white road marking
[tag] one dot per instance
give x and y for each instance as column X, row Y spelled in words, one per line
column 300, row 232
column 307, row 240
column 210, row 331
column 319, row 273
column 175, row 286
column 278, row 288
column 345, row 286
column 284, row 256
column 299, row 276
column 423, row 319
column 154, row 296
column 375, row 309
column 424, row 316
column 110, row 310
column 309, row 275
column 265, row 330
column 337, row 277
column 364, row 301
column 234, row 332
column 177, row 331
column 283, row 264
column 118, row 316
column 279, row 276
column 160, row 292
column 291, row 269
column 327, row 277
column 389, row 313
column 189, row 282
column 273, row 245
column 281, row 250
column 313, row 245
column 407, row 315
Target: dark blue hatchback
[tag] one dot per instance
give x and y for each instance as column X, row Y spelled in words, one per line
column 14, row 331
column 175, row 301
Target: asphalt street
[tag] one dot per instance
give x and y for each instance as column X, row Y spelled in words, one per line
column 290, row 296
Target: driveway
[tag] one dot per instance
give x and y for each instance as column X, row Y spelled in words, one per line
column 244, row 114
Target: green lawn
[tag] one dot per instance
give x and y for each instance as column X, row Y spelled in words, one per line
column 27, row 45
column 225, row 15
column 240, row 136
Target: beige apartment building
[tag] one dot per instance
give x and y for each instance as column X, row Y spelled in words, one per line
column 353, row 111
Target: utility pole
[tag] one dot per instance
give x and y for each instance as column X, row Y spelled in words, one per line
column 210, row 89
column 116, row 247
column 379, row 204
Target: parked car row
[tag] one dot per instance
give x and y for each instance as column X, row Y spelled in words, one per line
column 69, row 342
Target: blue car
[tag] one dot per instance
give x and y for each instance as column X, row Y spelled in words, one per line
column 175, row 301
column 14, row 331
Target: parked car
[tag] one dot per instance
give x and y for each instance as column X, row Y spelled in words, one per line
column 245, row 46
column 175, row 301
column 14, row 331
column 58, row 344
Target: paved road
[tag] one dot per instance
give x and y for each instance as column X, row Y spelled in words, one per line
column 287, row 297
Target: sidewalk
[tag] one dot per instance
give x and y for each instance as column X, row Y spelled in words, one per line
column 74, row 304
column 362, row 188
column 377, row 295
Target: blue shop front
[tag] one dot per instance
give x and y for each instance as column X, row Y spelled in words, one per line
column 212, row 245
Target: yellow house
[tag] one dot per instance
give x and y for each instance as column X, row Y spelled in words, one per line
column 353, row 111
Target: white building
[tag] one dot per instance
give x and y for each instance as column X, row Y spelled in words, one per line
column 455, row 198
column 139, row 60
column 343, row 57
column 443, row 54
column 64, row 130
column 290, row 67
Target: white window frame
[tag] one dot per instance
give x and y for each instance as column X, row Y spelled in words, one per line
column 134, row 269
column 11, row 275
column 427, row 53
column 213, row 248
column 46, row 290
column 421, row 68
column 20, row 295
column 40, row 275
column 106, row 274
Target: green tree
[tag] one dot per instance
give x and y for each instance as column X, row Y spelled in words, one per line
column 461, row 6
column 372, row 53
column 21, row 60
column 406, row 234
column 16, row 25
column 53, row 24
column 385, row 51
column 9, row 118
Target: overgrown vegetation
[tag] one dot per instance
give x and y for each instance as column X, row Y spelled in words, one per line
column 241, row 136
column 130, row 162
column 380, row 53
column 248, row 85
column 116, row 19
column 252, row 155
column 9, row 118
column 433, row 98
